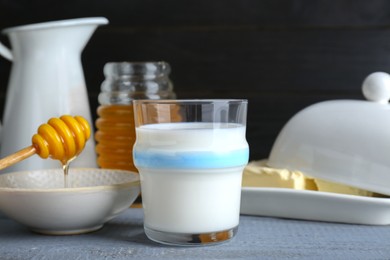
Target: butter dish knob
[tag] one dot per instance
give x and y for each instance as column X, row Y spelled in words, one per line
column 376, row 87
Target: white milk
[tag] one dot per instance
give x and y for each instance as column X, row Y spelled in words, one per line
column 191, row 182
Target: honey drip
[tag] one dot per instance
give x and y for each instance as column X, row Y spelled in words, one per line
column 65, row 168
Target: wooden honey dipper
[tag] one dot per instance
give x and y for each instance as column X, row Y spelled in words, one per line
column 61, row 138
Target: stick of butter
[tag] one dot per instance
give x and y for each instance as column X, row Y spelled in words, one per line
column 328, row 186
column 258, row 174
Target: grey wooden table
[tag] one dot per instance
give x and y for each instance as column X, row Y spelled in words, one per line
column 258, row 238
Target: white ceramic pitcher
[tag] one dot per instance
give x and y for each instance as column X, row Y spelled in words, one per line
column 46, row 80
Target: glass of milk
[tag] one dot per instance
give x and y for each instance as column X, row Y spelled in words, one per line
column 190, row 155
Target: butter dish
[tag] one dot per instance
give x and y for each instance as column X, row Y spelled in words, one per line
column 344, row 146
column 342, row 141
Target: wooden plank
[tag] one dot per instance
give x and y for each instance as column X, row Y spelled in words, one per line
column 199, row 13
column 327, row 60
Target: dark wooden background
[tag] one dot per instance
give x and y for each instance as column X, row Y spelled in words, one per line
column 281, row 55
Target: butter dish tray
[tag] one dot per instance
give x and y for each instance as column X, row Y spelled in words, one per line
column 315, row 206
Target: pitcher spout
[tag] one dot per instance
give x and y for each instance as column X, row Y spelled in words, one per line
column 85, row 28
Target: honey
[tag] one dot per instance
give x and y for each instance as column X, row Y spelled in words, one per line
column 115, row 137
column 115, row 129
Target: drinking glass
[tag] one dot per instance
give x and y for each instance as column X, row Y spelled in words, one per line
column 190, row 155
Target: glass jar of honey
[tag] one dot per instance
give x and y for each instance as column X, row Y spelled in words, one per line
column 124, row 82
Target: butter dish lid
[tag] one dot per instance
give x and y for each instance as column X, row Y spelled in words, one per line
column 343, row 141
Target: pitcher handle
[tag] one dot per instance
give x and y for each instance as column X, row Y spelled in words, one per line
column 5, row 52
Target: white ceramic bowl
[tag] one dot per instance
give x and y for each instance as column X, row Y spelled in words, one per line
column 38, row 199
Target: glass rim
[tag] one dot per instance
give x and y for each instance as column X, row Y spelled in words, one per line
column 188, row 101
